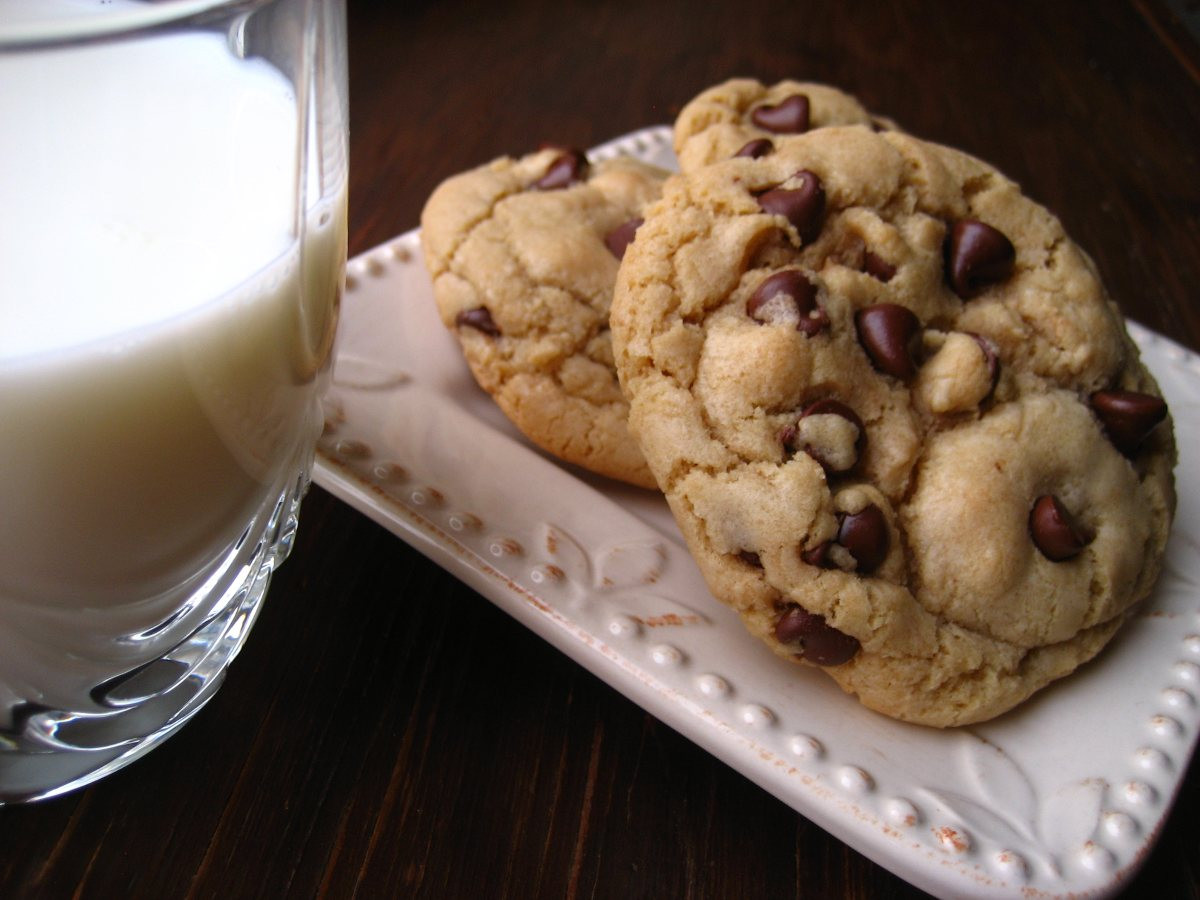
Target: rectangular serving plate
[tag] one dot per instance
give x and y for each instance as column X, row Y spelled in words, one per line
column 1061, row 797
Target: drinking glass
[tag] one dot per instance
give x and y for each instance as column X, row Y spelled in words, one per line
column 172, row 255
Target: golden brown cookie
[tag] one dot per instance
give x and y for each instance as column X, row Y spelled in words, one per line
column 897, row 418
column 745, row 117
column 523, row 254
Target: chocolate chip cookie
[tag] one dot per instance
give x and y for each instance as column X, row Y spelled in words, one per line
column 743, row 117
column 523, row 254
column 898, row 419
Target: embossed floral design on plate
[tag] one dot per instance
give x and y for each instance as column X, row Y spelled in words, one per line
column 1060, row 797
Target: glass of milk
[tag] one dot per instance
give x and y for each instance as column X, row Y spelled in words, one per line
column 172, row 254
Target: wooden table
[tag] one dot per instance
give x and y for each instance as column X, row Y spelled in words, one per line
column 388, row 732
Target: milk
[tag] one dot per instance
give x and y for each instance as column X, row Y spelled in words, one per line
column 163, row 336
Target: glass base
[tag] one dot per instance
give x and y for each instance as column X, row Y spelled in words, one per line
column 45, row 752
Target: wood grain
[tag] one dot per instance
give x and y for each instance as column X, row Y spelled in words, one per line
column 387, row 732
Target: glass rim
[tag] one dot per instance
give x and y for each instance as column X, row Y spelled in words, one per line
column 113, row 23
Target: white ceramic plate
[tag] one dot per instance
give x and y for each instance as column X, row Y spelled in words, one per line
column 1062, row 796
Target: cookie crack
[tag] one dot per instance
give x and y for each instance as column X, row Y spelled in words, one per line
column 1052, row 251
column 974, row 185
column 913, row 582
column 452, row 260
column 599, row 320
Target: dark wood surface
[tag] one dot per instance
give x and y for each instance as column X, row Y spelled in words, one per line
column 388, row 732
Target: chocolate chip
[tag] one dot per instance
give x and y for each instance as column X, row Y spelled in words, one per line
column 865, row 534
column 621, row 237
column 878, row 267
column 750, row 558
column 816, row 640
column 787, row 297
column 977, row 255
column 831, row 457
column 756, row 148
column 789, row 116
column 1054, row 530
column 803, row 206
column 479, row 318
column 891, row 335
column 818, row 555
column 566, row 169
column 1128, row 417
